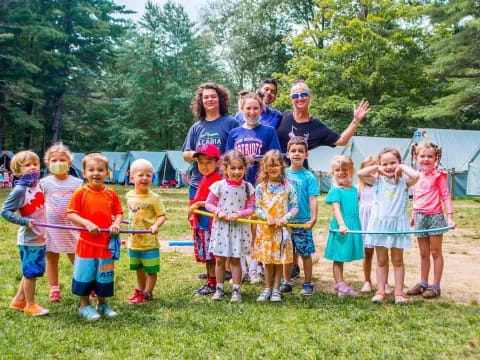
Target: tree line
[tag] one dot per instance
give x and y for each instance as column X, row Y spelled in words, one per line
column 80, row 72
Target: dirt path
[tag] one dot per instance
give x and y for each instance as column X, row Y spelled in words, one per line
column 461, row 277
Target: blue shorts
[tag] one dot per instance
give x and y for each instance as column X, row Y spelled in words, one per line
column 302, row 241
column 33, row 260
column 93, row 274
column 148, row 260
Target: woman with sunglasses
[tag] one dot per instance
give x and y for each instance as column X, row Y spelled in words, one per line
column 300, row 123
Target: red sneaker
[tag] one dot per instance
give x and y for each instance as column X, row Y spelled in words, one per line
column 139, row 299
column 135, row 295
column 55, row 295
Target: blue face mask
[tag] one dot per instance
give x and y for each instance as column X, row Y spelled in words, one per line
column 255, row 122
column 30, row 179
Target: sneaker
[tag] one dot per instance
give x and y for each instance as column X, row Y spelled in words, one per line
column 264, row 295
column 286, row 288
column 276, row 296
column 255, row 278
column 401, row 299
column 205, row 290
column 379, row 297
column 55, row 295
column 17, row 305
column 228, row 275
column 346, row 291
column 136, row 293
column 366, row 288
column 35, row 310
column 147, row 296
column 418, row 289
column 307, row 289
column 295, row 271
column 431, row 292
column 219, row 294
column 89, row 313
column 236, row 295
column 105, row 310
column 202, row 276
column 139, row 299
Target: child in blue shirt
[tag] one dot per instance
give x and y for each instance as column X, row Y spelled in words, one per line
column 307, row 190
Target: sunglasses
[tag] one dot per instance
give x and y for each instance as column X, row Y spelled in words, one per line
column 302, row 95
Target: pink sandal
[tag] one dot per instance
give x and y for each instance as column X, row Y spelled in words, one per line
column 400, row 298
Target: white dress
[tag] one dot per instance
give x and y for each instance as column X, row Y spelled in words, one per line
column 57, row 197
column 231, row 239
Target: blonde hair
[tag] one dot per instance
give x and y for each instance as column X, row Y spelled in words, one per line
column 270, row 158
column 99, row 157
column 57, row 147
column 140, row 164
column 21, row 158
column 368, row 161
column 415, row 149
column 345, row 162
column 251, row 96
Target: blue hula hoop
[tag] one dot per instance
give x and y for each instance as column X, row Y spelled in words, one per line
column 394, row 233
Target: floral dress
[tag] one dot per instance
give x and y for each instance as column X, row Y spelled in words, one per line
column 273, row 244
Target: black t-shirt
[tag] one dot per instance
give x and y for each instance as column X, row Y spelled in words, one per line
column 314, row 131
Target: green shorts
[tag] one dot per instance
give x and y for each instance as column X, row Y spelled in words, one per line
column 148, row 260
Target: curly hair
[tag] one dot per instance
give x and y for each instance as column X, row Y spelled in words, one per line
column 223, row 98
column 269, row 159
column 415, row 149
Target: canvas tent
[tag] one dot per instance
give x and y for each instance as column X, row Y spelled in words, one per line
column 115, row 162
column 77, row 167
column 179, row 166
column 319, row 160
column 460, row 152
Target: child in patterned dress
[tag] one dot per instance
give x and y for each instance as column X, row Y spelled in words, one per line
column 389, row 214
column 230, row 199
column 59, row 187
column 275, row 202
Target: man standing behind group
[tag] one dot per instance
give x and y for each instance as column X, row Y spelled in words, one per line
column 269, row 116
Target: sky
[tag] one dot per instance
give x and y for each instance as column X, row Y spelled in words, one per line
column 192, row 7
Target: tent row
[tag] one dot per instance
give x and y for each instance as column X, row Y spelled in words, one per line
column 460, row 156
column 168, row 166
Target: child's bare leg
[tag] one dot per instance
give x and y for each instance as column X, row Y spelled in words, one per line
column 101, row 300
column 71, row 257
column 338, row 271
column 20, row 295
column 367, row 264
column 236, row 270
column 151, row 282
column 307, row 268
column 84, row 301
column 269, row 272
column 382, row 267
column 424, row 247
column 51, row 260
column 29, row 290
column 437, row 255
column 277, row 277
column 287, row 272
column 398, row 269
column 210, row 265
column 220, row 269
column 141, row 279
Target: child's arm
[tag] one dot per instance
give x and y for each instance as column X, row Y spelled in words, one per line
column 338, row 215
column 87, row 224
column 413, row 175
column 160, row 221
column 446, row 199
column 211, row 206
column 194, row 206
column 12, row 204
column 115, row 227
column 244, row 213
column 313, row 212
column 367, row 174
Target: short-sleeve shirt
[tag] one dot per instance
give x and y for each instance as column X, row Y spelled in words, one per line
column 208, row 132
column 306, row 186
column 143, row 212
column 256, row 141
column 314, row 131
column 98, row 206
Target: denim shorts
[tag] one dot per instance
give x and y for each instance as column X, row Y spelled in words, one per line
column 426, row 222
column 33, row 260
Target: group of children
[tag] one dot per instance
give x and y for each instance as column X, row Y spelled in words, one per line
column 285, row 199
column 59, row 200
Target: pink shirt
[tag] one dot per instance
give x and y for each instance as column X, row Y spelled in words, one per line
column 430, row 191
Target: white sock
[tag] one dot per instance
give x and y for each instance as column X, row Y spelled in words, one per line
column 220, row 286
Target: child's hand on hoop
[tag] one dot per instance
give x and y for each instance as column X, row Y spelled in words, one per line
column 343, row 229
column 222, row 215
column 271, row 220
column 92, row 228
column 233, row 217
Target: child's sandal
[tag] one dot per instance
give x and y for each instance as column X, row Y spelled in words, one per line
column 379, row 297
column 400, row 298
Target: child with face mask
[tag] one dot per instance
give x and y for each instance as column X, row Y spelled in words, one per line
column 59, row 188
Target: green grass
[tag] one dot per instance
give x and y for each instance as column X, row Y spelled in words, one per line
column 178, row 325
